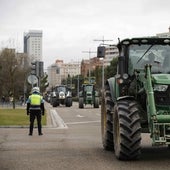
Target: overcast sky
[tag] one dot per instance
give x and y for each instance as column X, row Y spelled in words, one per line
column 70, row 26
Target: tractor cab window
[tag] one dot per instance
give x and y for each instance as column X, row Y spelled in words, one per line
column 156, row 55
column 88, row 88
column 61, row 88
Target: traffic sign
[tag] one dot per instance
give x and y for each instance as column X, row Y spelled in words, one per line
column 32, row 79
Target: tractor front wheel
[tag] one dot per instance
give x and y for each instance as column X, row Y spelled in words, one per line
column 127, row 130
column 96, row 102
column 68, row 102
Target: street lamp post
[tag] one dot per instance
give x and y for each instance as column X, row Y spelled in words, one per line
column 78, row 79
column 103, row 43
column 78, row 86
column 103, row 74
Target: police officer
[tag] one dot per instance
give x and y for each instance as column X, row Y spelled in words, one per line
column 35, row 107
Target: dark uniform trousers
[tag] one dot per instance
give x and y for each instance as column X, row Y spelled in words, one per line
column 35, row 114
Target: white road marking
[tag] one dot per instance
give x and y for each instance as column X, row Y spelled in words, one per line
column 57, row 121
column 74, row 123
column 80, row 116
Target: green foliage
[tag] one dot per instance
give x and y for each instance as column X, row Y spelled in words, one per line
column 16, row 117
column 12, row 74
column 98, row 74
column 111, row 70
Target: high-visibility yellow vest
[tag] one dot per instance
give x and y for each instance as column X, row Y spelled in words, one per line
column 35, row 99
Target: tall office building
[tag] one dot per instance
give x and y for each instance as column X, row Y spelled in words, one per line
column 33, row 45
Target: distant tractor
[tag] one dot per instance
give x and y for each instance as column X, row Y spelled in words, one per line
column 61, row 95
column 88, row 94
column 137, row 98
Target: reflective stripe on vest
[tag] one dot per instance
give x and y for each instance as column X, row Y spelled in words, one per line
column 35, row 100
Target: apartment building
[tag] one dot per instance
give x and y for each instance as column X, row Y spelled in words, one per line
column 110, row 53
column 87, row 66
column 33, row 45
column 60, row 70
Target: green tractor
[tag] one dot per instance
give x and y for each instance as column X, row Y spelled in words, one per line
column 88, row 94
column 137, row 99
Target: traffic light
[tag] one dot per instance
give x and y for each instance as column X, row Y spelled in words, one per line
column 37, row 68
column 101, row 52
column 34, row 68
column 40, row 68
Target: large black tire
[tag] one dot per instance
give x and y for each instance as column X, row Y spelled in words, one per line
column 54, row 103
column 127, row 130
column 81, row 102
column 107, row 107
column 69, row 102
column 96, row 102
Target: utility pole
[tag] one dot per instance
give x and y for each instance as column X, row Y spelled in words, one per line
column 102, row 40
column 103, row 43
column 78, row 79
column 89, row 52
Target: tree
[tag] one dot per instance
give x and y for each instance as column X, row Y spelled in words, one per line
column 12, row 75
column 97, row 73
column 111, row 70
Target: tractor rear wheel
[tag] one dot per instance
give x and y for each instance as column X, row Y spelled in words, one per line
column 68, row 102
column 127, row 130
column 81, row 102
column 55, row 103
column 96, row 102
column 107, row 119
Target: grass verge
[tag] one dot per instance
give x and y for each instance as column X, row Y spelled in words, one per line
column 16, row 117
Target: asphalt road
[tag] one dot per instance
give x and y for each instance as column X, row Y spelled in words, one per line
column 72, row 142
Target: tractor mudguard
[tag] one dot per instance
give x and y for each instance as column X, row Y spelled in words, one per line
column 112, row 84
column 125, row 97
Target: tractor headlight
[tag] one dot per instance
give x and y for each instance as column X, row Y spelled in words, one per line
column 120, row 79
column 125, row 76
column 160, row 87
